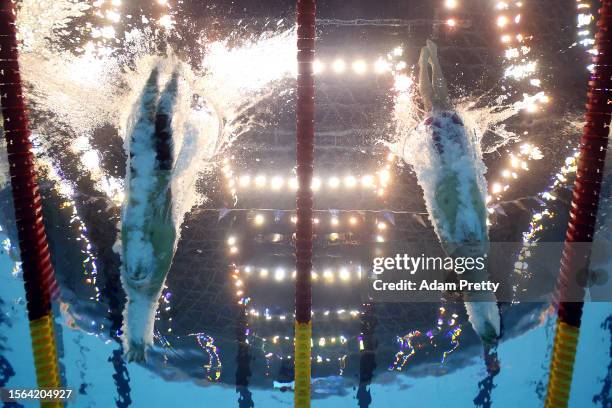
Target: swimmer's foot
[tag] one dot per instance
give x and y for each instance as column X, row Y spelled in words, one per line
column 491, row 360
column 489, row 336
column 135, row 353
column 484, row 316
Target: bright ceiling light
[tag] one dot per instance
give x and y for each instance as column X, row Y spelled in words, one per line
column 260, row 181
column 502, row 5
column 245, row 181
column 334, row 182
column 350, row 181
column 367, row 181
column 276, row 183
column 514, row 162
column 381, row 66
column 279, row 274
column 339, row 65
column 318, row 67
column 360, row 67
column 384, row 176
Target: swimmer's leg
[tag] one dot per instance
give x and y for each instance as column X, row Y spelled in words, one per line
column 440, row 98
column 425, row 88
column 481, row 306
column 163, row 231
column 485, row 319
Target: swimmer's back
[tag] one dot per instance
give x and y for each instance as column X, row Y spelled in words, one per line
column 446, row 127
column 450, row 140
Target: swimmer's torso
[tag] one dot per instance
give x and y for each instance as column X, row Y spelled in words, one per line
column 457, row 187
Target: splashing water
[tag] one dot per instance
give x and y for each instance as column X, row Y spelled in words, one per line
column 479, row 119
column 253, row 65
column 40, row 24
column 80, row 91
column 234, row 79
column 86, row 91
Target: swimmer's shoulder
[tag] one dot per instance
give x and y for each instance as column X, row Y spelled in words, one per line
column 437, row 118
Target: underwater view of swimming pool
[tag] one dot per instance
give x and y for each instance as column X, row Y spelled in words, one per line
column 330, row 204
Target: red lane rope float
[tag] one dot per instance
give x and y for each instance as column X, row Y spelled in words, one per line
column 583, row 213
column 304, row 204
column 39, row 278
